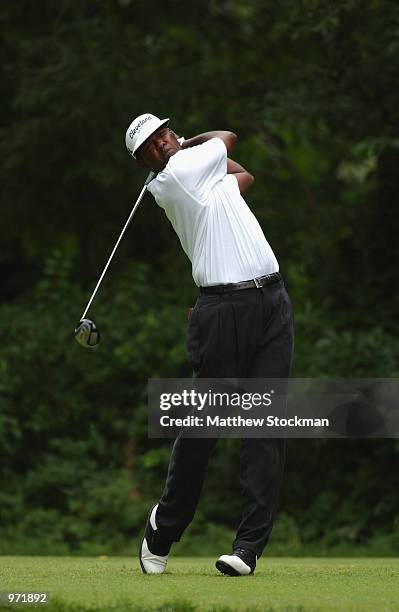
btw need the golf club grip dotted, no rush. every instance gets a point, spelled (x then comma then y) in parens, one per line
(150, 177)
(144, 189)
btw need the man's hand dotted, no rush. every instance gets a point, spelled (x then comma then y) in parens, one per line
(244, 178)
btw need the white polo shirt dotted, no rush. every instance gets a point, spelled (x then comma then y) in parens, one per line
(217, 230)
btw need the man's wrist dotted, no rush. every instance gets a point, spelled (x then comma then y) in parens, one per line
(199, 139)
(192, 142)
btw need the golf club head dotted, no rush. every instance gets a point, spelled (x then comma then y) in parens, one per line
(87, 334)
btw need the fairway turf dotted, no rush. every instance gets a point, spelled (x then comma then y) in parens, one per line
(116, 584)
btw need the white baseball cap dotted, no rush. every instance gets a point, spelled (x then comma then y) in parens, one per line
(140, 129)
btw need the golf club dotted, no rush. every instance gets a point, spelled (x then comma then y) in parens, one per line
(86, 332)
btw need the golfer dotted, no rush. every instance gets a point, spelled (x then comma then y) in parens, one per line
(241, 327)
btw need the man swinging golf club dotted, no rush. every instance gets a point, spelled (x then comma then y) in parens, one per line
(245, 319)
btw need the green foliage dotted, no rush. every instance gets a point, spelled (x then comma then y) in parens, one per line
(73, 423)
(310, 87)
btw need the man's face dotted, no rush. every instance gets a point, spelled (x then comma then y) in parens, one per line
(155, 152)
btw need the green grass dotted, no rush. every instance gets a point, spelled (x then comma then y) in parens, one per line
(115, 584)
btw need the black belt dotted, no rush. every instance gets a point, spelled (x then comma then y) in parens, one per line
(255, 283)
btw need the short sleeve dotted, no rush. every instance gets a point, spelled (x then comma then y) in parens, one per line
(199, 168)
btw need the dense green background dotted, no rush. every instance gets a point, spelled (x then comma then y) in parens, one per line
(311, 88)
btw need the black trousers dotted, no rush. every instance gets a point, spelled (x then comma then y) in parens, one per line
(244, 334)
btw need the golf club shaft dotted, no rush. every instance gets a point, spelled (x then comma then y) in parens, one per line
(144, 189)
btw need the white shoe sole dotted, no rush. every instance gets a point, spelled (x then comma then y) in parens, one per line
(231, 565)
(150, 563)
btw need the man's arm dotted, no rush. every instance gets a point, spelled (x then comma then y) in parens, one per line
(229, 139)
(244, 178)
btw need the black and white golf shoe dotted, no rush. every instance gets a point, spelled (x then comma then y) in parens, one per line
(153, 550)
(241, 563)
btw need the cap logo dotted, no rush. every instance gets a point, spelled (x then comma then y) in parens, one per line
(139, 125)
